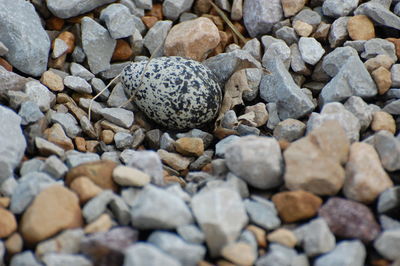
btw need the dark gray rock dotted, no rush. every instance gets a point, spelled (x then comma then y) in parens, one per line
(338, 32)
(389, 200)
(29, 112)
(262, 213)
(388, 244)
(155, 37)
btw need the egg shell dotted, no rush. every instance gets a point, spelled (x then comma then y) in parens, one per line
(175, 92)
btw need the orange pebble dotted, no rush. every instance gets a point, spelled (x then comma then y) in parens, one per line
(149, 21)
(122, 51)
(4, 63)
(69, 39)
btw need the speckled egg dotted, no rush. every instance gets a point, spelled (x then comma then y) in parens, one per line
(177, 93)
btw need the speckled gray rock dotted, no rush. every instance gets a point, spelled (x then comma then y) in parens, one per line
(289, 129)
(66, 259)
(346, 253)
(13, 142)
(388, 148)
(262, 213)
(260, 15)
(221, 215)
(24, 259)
(80, 71)
(352, 79)
(308, 16)
(311, 50)
(97, 45)
(297, 63)
(72, 8)
(334, 8)
(377, 46)
(143, 254)
(156, 36)
(186, 253)
(176, 93)
(191, 233)
(287, 34)
(24, 36)
(118, 20)
(388, 244)
(279, 255)
(389, 200)
(361, 110)
(54, 167)
(118, 116)
(68, 122)
(41, 95)
(172, 9)
(257, 160)
(155, 208)
(77, 84)
(338, 32)
(275, 49)
(29, 112)
(379, 14)
(279, 87)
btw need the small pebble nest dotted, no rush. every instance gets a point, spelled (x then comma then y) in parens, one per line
(175, 92)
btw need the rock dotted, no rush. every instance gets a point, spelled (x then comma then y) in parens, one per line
(24, 258)
(100, 172)
(382, 78)
(347, 253)
(262, 213)
(26, 42)
(281, 255)
(176, 247)
(96, 206)
(75, 158)
(260, 15)
(365, 177)
(46, 148)
(338, 32)
(392, 107)
(360, 28)
(335, 60)
(66, 259)
(68, 122)
(59, 48)
(248, 159)
(395, 75)
(287, 34)
(302, 29)
(349, 219)
(101, 224)
(118, 116)
(193, 39)
(381, 60)
(54, 209)
(220, 227)
(191, 233)
(313, 163)
(56, 135)
(8, 223)
(118, 19)
(361, 110)
(128, 176)
(54, 167)
(77, 84)
(275, 49)
(336, 9)
(237, 10)
(239, 253)
(311, 50)
(291, 7)
(64, 9)
(296, 205)
(11, 83)
(315, 236)
(66, 242)
(189, 146)
(39, 94)
(154, 208)
(123, 140)
(387, 244)
(377, 46)
(144, 254)
(52, 81)
(197, 133)
(97, 45)
(283, 236)
(388, 148)
(297, 63)
(80, 71)
(156, 36)
(389, 200)
(107, 248)
(174, 160)
(379, 14)
(13, 244)
(289, 129)
(173, 9)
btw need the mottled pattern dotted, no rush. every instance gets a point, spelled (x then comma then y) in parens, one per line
(177, 93)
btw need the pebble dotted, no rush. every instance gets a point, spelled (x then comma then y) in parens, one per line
(128, 176)
(287, 34)
(8, 223)
(19, 34)
(389, 200)
(262, 213)
(311, 50)
(283, 236)
(239, 253)
(143, 253)
(173, 9)
(54, 209)
(378, 46)
(275, 49)
(335, 9)
(257, 160)
(98, 85)
(75, 158)
(192, 39)
(96, 206)
(117, 18)
(53, 81)
(289, 129)
(350, 219)
(118, 98)
(29, 112)
(24, 258)
(54, 167)
(118, 116)
(46, 148)
(97, 45)
(174, 160)
(361, 110)
(191, 233)
(383, 79)
(349, 253)
(66, 259)
(77, 84)
(14, 244)
(59, 48)
(395, 75)
(360, 27)
(68, 122)
(237, 10)
(338, 32)
(220, 228)
(296, 205)
(65, 10)
(280, 255)
(123, 140)
(66, 242)
(156, 36)
(302, 29)
(56, 135)
(383, 121)
(39, 94)
(189, 146)
(388, 149)
(379, 14)
(101, 224)
(387, 244)
(291, 7)
(297, 63)
(186, 253)
(80, 71)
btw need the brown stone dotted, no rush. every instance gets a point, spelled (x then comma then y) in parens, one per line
(14, 244)
(149, 21)
(80, 144)
(56, 208)
(100, 172)
(174, 160)
(222, 44)
(53, 81)
(91, 145)
(57, 135)
(69, 39)
(322, 31)
(360, 27)
(240, 253)
(216, 20)
(381, 60)
(101, 224)
(122, 51)
(292, 7)
(202, 7)
(193, 39)
(383, 79)
(85, 188)
(156, 11)
(107, 136)
(8, 223)
(5, 202)
(4, 63)
(259, 234)
(396, 43)
(383, 121)
(190, 146)
(302, 29)
(284, 237)
(58, 63)
(54, 23)
(296, 205)
(75, 110)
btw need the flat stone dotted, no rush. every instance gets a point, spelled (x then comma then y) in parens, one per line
(97, 45)
(66, 242)
(52, 81)
(338, 32)
(63, 9)
(174, 160)
(197, 133)
(297, 63)
(118, 20)
(77, 84)
(347, 253)
(379, 14)
(128, 176)
(39, 94)
(75, 158)
(59, 48)
(11, 83)
(281, 255)
(377, 46)
(68, 122)
(47, 148)
(275, 49)
(143, 254)
(26, 42)
(54, 209)
(289, 129)
(24, 258)
(388, 148)
(80, 71)
(311, 50)
(349, 219)
(389, 200)
(54, 167)
(383, 79)
(387, 244)
(56, 135)
(96, 206)
(360, 27)
(156, 36)
(118, 116)
(262, 213)
(173, 9)
(189, 146)
(118, 98)
(392, 107)
(8, 223)
(365, 176)
(98, 85)
(283, 236)
(332, 8)
(191, 233)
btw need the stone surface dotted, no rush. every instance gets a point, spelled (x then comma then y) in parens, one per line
(24, 258)
(379, 14)
(283, 236)
(193, 39)
(173, 9)
(68, 123)
(289, 129)
(333, 8)
(191, 233)
(146, 254)
(338, 32)
(349, 219)
(388, 149)
(52, 81)
(291, 7)
(39, 94)
(24, 37)
(361, 110)
(54, 209)
(346, 253)
(378, 46)
(360, 27)
(73, 8)
(381, 60)
(221, 216)
(311, 50)
(262, 213)
(77, 84)
(281, 255)
(239, 253)
(189, 146)
(128, 176)
(118, 116)
(383, 79)
(389, 200)
(8, 223)
(387, 244)
(174, 160)
(156, 36)
(257, 160)
(118, 20)
(66, 242)
(334, 61)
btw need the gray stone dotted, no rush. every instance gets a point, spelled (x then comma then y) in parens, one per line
(253, 46)
(177, 190)
(78, 55)
(287, 34)
(87, 127)
(13, 142)
(114, 70)
(29, 112)
(118, 116)
(377, 46)
(75, 158)
(111, 155)
(221, 146)
(136, 41)
(346, 253)
(338, 32)
(120, 210)
(257, 160)
(279, 87)
(388, 148)
(97, 205)
(392, 107)
(191, 233)
(54, 167)
(172, 9)
(123, 140)
(98, 85)
(334, 8)
(289, 129)
(118, 98)
(39, 94)
(315, 237)
(138, 138)
(68, 122)
(361, 110)
(97, 45)
(254, 76)
(393, 93)
(28, 187)
(379, 14)
(389, 200)
(273, 119)
(167, 143)
(28, 43)
(133, 9)
(32, 165)
(352, 79)
(297, 63)
(279, 255)
(388, 223)
(11, 82)
(262, 213)
(388, 244)
(80, 71)
(77, 84)
(229, 120)
(8, 186)
(155, 208)
(186, 253)
(311, 50)
(185, 16)
(395, 71)
(3, 49)
(66, 260)
(155, 37)
(260, 15)
(66, 9)
(46, 147)
(275, 49)
(16, 98)
(59, 48)
(145, 4)
(356, 45)
(67, 242)
(143, 254)
(245, 130)
(118, 20)
(308, 16)
(221, 215)
(153, 138)
(2, 252)
(25, 258)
